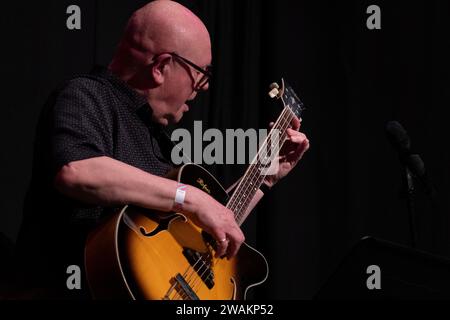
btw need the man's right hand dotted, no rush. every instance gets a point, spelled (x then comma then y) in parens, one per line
(217, 220)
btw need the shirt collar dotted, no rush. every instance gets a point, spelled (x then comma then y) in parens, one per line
(136, 100)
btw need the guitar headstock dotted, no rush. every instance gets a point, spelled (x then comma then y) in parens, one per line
(288, 97)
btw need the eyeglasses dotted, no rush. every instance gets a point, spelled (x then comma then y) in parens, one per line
(207, 73)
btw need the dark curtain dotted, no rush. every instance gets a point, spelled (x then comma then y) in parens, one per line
(351, 79)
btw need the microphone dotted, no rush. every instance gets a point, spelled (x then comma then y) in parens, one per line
(399, 138)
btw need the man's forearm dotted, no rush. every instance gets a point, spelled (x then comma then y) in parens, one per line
(109, 182)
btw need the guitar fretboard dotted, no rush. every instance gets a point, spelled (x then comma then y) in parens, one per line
(254, 176)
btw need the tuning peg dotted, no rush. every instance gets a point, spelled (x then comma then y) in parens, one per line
(274, 85)
(274, 90)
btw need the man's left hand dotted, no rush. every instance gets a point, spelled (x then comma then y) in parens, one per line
(290, 154)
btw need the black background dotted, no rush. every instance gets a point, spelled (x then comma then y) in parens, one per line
(352, 80)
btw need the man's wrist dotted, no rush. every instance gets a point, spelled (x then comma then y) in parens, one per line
(180, 195)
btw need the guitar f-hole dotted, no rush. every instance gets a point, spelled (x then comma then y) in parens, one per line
(162, 225)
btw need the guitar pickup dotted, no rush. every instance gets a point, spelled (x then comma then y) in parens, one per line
(201, 266)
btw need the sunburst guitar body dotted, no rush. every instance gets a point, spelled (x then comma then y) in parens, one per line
(140, 254)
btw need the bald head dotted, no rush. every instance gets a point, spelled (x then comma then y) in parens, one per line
(161, 26)
(145, 61)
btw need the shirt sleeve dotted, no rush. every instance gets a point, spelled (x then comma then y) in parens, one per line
(82, 123)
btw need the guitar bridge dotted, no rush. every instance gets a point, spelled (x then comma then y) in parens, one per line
(183, 288)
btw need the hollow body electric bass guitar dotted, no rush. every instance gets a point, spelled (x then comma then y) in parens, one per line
(140, 254)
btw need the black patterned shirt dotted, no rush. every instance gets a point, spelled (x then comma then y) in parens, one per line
(88, 116)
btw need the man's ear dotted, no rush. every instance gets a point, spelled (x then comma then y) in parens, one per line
(160, 67)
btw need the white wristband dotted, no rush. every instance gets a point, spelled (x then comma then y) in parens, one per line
(180, 194)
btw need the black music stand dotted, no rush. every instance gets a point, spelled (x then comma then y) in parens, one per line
(406, 273)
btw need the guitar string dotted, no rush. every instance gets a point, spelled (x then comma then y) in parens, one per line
(254, 170)
(191, 279)
(252, 173)
(206, 266)
(182, 296)
(256, 173)
(193, 272)
(285, 123)
(176, 293)
(233, 202)
(167, 295)
(198, 280)
(251, 169)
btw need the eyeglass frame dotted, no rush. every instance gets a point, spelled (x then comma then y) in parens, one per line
(207, 74)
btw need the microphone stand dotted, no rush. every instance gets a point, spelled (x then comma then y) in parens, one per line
(410, 190)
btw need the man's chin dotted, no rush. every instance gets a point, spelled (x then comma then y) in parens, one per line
(177, 118)
(174, 119)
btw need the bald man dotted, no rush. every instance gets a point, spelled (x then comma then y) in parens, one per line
(100, 145)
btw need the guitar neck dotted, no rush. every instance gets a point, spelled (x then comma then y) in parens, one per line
(260, 166)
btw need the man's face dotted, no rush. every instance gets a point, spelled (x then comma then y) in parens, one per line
(185, 82)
